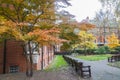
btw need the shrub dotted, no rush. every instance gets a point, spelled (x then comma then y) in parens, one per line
(81, 51)
(78, 51)
(115, 50)
(90, 51)
(102, 50)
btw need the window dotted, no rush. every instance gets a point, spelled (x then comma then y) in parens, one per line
(14, 69)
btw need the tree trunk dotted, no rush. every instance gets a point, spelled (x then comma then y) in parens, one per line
(42, 59)
(4, 57)
(85, 50)
(29, 71)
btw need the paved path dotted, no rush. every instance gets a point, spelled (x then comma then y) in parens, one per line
(101, 71)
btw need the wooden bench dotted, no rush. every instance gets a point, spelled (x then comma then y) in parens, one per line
(114, 58)
(83, 71)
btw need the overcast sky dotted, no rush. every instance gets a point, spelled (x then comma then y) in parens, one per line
(83, 8)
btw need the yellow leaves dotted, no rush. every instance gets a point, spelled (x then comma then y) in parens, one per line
(84, 35)
(2, 20)
(46, 24)
(10, 32)
(30, 17)
(113, 41)
(18, 1)
(86, 40)
(17, 34)
(2, 30)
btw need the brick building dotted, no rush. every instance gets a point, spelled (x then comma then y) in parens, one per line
(102, 33)
(14, 59)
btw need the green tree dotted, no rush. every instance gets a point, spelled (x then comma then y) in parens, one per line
(65, 22)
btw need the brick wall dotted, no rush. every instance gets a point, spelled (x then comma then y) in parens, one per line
(47, 57)
(15, 56)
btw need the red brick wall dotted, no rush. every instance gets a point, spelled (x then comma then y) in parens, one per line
(15, 56)
(47, 57)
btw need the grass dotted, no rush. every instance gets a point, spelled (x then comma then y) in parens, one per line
(115, 64)
(94, 57)
(57, 63)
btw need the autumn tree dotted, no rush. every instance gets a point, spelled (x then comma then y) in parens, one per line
(86, 41)
(113, 41)
(70, 31)
(29, 21)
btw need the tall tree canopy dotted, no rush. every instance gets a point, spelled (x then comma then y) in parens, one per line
(30, 21)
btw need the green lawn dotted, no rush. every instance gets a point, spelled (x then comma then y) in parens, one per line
(57, 63)
(94, 57)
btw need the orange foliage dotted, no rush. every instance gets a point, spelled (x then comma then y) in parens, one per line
(46, 35)
(37, 34)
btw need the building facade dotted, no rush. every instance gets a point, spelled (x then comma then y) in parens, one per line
(102, 33)
(14, 60)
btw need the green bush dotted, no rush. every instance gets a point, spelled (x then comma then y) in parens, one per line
(102, 50)
(78, 51)
(115, 50)
(81, 51)
(90, 51)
